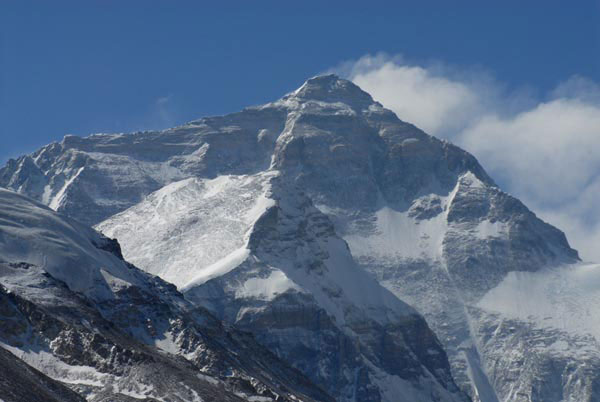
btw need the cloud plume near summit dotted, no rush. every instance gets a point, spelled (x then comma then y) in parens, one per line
(545, 148)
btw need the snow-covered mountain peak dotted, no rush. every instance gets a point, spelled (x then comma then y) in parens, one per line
(331, 88)
(196, 205)
(328, 94)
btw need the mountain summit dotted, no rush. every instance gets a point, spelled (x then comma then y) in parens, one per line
(311, 222)
(332, 89)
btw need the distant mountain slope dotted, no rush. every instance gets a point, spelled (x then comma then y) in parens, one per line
(73, 309)
(269, 216)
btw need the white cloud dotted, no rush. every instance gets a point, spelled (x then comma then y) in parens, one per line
(545, 151)
(549, 152)
(418, 96)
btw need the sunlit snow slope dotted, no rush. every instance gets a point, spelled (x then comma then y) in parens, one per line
(192, 230)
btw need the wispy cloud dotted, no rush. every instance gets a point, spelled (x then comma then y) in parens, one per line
(164, 110)
(160, 113)
(543, 149)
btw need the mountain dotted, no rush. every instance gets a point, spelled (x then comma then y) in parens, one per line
(296, 286)
(74, 310)
(313, 220)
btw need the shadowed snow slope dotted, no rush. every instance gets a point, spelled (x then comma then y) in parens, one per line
(563, 298)
(272, 217)
(551, 316)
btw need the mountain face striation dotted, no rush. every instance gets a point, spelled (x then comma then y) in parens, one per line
(315, 222)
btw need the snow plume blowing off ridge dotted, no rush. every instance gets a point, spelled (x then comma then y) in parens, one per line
(542, 149)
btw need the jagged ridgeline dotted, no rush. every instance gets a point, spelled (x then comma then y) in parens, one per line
(315, 222)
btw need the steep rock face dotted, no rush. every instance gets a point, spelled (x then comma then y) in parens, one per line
(419, 214)
(73, 309)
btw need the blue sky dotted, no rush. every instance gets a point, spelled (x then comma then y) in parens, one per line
(515, 82)
(115, 66)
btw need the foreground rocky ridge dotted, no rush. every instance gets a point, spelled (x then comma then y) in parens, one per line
(73, 309)
(222, 205)
(21, 382)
